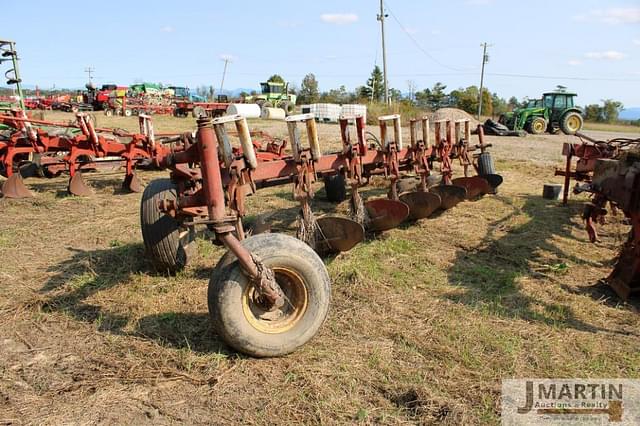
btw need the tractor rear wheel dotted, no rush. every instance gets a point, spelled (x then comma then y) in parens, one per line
(266, 104)
(168, 244)
(571, 123)
(241, 318)
(537, 126)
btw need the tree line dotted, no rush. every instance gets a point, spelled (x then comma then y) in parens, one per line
(436, 97)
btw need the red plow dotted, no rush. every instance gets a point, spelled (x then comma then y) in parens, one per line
(269, 294)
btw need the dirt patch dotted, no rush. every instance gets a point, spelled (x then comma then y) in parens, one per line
(453, 114)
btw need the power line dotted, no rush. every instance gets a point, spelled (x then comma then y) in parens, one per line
(423, 50)
(548, 77)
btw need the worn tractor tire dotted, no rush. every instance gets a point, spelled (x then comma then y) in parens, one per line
(266, 104)
(238, 317)
(571, 123)
(336, 188)
(485, 164)
(198, 112)
(537, 126)
(161, 233)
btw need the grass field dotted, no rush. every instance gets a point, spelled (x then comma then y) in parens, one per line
(605, 127)
(426, 319)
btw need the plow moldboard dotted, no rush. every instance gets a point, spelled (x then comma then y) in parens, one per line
(475, 186)
(450, 195)
(385, 214)
(14, 187)
(340, 233)
(494, 180)
(421, 204)
(77, 186)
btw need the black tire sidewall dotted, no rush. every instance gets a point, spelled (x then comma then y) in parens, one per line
(228, 284)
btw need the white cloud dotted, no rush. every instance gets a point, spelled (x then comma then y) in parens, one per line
(636, 42)
(608, 55)
(167, 29)
(436, 32)
(613, 15)
(478, 2)
(339, 18)
(412, 30)
(574, 62)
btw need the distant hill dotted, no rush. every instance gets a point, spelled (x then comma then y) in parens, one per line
(630, 114)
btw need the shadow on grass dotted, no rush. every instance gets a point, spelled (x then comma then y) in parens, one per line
(88, 272)
(489, 274)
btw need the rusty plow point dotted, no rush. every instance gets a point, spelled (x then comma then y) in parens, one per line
(450, 195)
(385, 214)
(421, 204)
(339, 233)
(476, 186)
(133, 183)
(14, 187)
(77, 186)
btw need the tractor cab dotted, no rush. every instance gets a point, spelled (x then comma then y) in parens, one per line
(558, 104)
(534, 103)
(272, 88)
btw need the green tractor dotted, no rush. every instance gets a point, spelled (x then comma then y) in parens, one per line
(554, 112)
(274, 94)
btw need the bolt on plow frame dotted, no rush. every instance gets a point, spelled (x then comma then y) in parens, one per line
(270, 293)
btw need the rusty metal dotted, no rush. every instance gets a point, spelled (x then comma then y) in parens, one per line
(339, 234)
(385, 214)
(14, 187)
(476, 186)
(615, 181)
(78, 187)
(450, 195)
(421, 204)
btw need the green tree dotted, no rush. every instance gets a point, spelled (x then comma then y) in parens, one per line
(593, 112)
(432, 98)
(513, 103)
(498, 104)
(611, 110)
(309, 89)
(276, 78)
(374, 89)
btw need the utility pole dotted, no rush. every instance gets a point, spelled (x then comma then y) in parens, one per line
(485, 59)
(381, 17)
(90, 70)
(224, 72)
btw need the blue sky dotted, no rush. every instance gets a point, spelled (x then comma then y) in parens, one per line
(595, 42)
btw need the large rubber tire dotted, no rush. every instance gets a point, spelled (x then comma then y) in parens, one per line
(198, 112)
(233, 309)
(336, 188)
(537, 126)
(571, 123)
(288, 107)
(266, 104)
(161, 232)
(485, 164)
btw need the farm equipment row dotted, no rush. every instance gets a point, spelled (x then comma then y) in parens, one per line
(30, 150)
(610, 172)
(270, 293)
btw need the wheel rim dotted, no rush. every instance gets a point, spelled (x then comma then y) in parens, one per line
(573, 123)
(281, 319)
(538, 126)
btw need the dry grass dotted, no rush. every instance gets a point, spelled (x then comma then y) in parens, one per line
(605, 127)
(426, 319)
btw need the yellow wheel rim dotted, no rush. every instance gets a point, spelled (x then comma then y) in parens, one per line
(538, 126)
(281, 319)
(573, 123)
